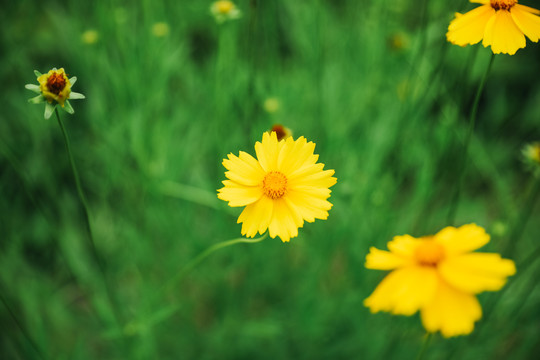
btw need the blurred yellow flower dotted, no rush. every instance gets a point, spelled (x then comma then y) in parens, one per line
(271, 105)
(281, 131)
(90, 37)
(531, 152)
(224, 10)
(439, 276)
(280, 189)
(160, 29)
(54, 88)
(531, 156)
(502, 24)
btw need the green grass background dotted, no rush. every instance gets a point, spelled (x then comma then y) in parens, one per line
(160, 115)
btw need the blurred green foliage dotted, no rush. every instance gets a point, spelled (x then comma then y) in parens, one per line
(373, 83)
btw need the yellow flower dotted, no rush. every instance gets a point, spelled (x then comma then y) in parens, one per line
(531, 152)
(90, 37)
(160, 29)
(439, 276)
(224, 10)
(531, 156)
(502, 24)
(54, 88)
(280, 189)
(271, 105)
(281, 131)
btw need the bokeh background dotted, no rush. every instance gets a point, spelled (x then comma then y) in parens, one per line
(169, 93)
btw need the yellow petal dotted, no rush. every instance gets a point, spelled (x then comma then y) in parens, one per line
(308, 208)
(503, 34)
(461, 240)
(469, 28)
(296, 155)
(268, 151)
(404, 291)
(528, 23)
(313, 175)
(451, 312)
(404, 245)
(528, 9)
(256, 217)
(476, 272)
(244, 169)
(384, 260)
(282, 223)
(239, 195)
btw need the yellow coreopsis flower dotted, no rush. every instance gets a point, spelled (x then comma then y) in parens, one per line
(224, 10)
(439, 276)
(54, 88)
(501, 24)
(280, 189)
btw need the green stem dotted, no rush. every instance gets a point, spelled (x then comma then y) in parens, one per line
(77, 181)
(82, 198)
(425, 344)
(22, 328)
(464, 160)
(199, 258)
(523, 218)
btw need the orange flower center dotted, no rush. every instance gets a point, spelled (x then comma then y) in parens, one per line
(274, 185)
(503, 4)
(429, 253)
(56, 83)
(224, 7)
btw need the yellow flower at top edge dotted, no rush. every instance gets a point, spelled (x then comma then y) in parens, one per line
(501, 24)
(55, 86)
(281, 189)
(439, 276)
(224, 10)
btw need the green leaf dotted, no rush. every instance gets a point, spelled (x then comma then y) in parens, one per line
(37, 100)
(49, 108)
(68, 107)
(75, 95)
(73, 80)
(38, 74)
(33, 87)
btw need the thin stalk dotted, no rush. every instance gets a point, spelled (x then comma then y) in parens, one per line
(464, 158)
(425, 344)
(523, 218)
(82, 198)
(199, 258)
(25, 333)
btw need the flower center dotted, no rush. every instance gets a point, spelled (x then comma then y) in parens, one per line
(56, 83)
(429, 253)
(224, 7)
(274, 185)
(503, 4)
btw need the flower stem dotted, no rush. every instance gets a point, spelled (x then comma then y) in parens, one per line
(199, 258)
(80, 192)
(82, 198)
(22, 328)
(525, 214)
(425, 344)
(464, 159)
